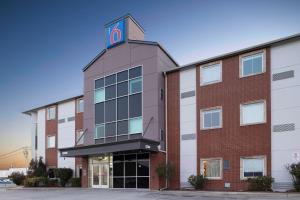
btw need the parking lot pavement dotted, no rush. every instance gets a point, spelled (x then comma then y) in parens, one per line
(113, 194)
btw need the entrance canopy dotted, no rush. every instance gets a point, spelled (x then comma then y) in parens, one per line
(121, 146)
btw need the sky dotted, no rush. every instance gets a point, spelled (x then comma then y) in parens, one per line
(45, 44)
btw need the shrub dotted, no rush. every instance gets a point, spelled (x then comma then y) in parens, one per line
(37, 168)
(294, 170)
(17, 178)
(36, 182)
(198, 181)
(64, 175)
(53, 183)
(166, 171)
(75, 182)
(262, 183)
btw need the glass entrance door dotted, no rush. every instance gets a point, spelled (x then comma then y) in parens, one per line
(100, 175)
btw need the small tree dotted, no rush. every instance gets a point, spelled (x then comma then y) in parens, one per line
(294, 170)
(64, 175)
(198, 181)
(166, 170)
(37, 168)
(17, 178)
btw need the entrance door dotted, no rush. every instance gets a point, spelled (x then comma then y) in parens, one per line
(100, 175)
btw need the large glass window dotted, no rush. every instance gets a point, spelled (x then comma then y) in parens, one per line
(211, 168)
(253, 167)
(252, 64)
(211, 74)
(253, 113)
(118, 104)
(211, 118)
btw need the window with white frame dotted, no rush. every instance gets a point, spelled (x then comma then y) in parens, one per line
(79, 137)
(51, 142)
(253, 167)
(210, 74)
(79, 106)
(211, 118)
(253, 113)
(211, 168)
(252, 64)
(51, 113)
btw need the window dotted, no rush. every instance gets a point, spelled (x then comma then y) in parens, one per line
(252, 64)
(135, 85)
(79, 137)
(51, 142)
(211, 168)
(211, 74)
(99, 95)
(51, 113)
(99, 132)
(211, 118)
(80, 105)
(253, 167)
(135, 125)
(253, 113)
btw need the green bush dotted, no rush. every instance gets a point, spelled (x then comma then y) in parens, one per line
(17, 178)
(36, 182)
(262, 183)
(75, 182)
(53, 183)
(64, 175)
(294, 170)
(37, 168)
(197, 182)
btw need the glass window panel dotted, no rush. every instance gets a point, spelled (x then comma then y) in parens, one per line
(247, 67)
(110, 110)
(51, 142)
(143, 182)
(135, 125)
(118, 169)
(211, 74)
(99, 95)
(118, 157)
(99, 113)
(122, 76)
(122, 89)
(110, 92)
(130, 182)
(207, 120)
(110, 129)
(257, 64)
(80, 105)
(253, 167)
(135, 72)
(99, 132)
(122, 108)
(143, 156)
(51, 113)
(211, 168)
(109, 80)
(253, 113)
(122, 127)
(212, 118)
(118, 182)
(130, 157)
(143, 168)
(215, 119)
(130, 168)
(135, 85)
(99, 83)
(135, 105)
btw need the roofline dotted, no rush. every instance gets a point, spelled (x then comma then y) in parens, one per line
(222, 56)
(28, 112)
(134, 42)
(128, 15)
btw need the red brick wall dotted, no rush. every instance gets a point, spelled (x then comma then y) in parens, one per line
(51, 129)
(173, 134)
(234, 141)
(85, 171)
(156, 182)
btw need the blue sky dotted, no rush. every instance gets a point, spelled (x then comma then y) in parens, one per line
(45, 44)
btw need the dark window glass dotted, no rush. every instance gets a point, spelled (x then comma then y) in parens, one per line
(122, 127)
(110, 92)
(130, 168)
(118, 169)
(122, 76)
(142, 182)
(118, 182)
(110, 129)
(135, 105)
(130, 157)
(119, 158)
(99, 113)
(122, 108)
(143, 168)
(130, 182)
(135, 72)
(99, 83)
(122, 89)
(110, 79)
(143, 156)
(110, 110)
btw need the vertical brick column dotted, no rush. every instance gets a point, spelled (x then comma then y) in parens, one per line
(156, 182)
(85, 171)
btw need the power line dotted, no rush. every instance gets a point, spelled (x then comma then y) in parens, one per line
(15, 151)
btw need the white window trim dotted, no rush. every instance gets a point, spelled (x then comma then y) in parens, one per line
(263, 52)
(208, 66)
(47, 112)
(48, 142)
(221, 168)
(252, 157)
(253, 102)
(202, 118)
